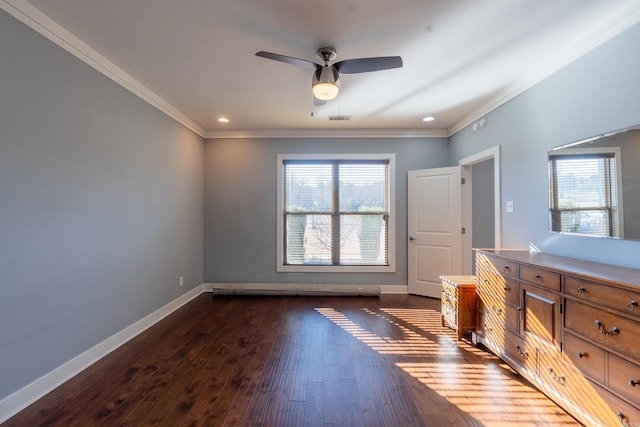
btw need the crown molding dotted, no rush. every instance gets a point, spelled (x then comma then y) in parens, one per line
(39, 22)
(608, 28)
(327, 133)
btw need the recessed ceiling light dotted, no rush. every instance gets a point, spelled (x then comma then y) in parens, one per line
(223, 120)
(428, 119)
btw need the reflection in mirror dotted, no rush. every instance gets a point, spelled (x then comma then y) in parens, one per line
(594, 186)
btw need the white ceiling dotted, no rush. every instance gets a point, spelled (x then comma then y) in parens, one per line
(194, 59)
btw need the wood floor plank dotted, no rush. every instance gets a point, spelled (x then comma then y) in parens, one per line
(297, 361)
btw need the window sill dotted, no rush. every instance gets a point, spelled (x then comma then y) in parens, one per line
(336, 269)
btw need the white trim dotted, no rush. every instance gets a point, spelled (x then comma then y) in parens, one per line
(391, 250)
(394, 290)
(14, 403)
(41, 23)
(384, 289)
(327, 133)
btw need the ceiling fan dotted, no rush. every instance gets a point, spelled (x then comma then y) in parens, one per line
(325, 80)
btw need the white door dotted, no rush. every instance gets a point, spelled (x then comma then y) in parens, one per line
(435, 228)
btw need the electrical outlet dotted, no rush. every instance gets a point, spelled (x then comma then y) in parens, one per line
(181, 280)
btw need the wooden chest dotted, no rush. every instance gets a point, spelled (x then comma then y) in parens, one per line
(458, 310)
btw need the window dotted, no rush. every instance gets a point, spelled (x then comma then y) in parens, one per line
(584, 192)
(335, 213)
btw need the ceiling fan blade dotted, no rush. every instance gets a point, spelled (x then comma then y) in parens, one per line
(364, 65)
(289, 60)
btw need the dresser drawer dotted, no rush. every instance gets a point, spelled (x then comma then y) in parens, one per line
(623, 300)
(624, 378)
(520, 351)
(562, 377)
(492, 286)
(540, 276)
(585, 356)
(603, 328)
(497, 265)
(449, 314)
(618, 412)
(506, 315)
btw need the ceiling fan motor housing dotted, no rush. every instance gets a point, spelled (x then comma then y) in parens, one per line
(326, 74)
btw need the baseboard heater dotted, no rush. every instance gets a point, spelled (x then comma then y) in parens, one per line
(287, 289)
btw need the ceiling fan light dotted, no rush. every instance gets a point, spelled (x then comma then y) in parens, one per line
(326, 91)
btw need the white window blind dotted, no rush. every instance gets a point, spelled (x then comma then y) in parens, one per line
(584, 194)
(335, 212)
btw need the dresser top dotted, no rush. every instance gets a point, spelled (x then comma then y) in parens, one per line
(628, 277)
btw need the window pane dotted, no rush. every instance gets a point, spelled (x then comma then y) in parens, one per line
(363, 240)
(318, 240)
(363, 187)
(595, 222)
(296, 233)
(308, 187)
(581, 183)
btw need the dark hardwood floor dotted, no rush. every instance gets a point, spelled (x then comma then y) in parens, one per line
(297, 361)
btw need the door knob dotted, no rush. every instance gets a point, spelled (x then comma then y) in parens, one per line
(412, 238)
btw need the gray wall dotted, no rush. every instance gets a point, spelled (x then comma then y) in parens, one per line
(597, 93)
(483, 201)
(101, 207)
(240, 204)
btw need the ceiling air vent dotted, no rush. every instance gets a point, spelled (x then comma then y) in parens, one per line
(339, 118)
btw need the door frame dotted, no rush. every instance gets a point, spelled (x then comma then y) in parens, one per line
(467, 206)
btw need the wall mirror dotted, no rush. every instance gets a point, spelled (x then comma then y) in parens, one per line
(594, 186)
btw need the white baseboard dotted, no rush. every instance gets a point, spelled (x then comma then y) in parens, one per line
(308, 288)
(394, 289)
(14, 403)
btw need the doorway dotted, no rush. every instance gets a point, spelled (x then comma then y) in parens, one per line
(481, 204)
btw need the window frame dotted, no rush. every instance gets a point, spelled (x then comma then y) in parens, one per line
(616, 228)
(315, 268)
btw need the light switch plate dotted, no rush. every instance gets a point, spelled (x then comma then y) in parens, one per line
(510, 206)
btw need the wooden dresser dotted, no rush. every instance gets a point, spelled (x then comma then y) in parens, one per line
(458, 308)
(569, 326)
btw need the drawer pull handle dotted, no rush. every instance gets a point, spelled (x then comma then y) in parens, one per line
(581, 355)
(496, 310)
(506, 268)
(537, 277)
(633, 382)
(522, 353)
(633, 305)
(559, 378)
(614, 331)
(506, 288)
(623, 419)
(581, 290)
